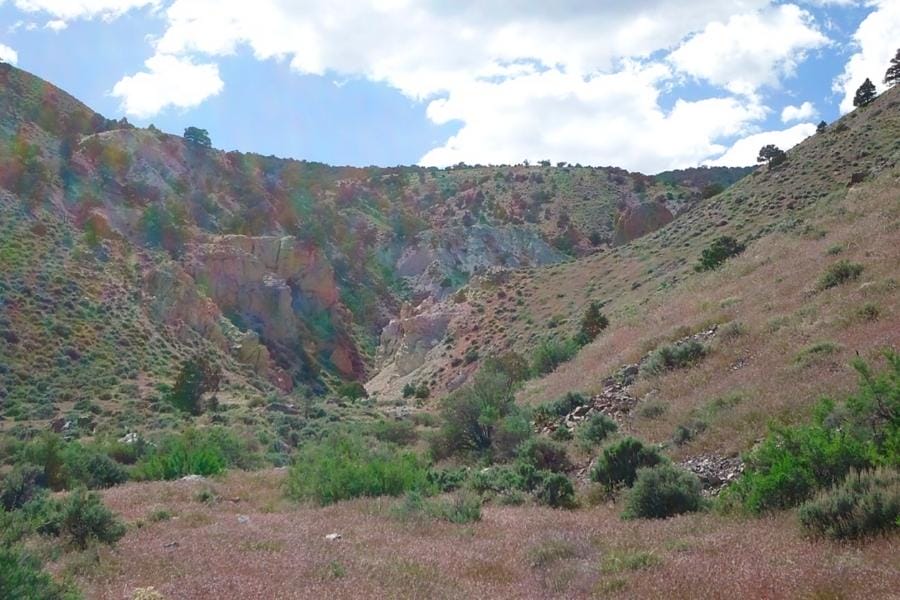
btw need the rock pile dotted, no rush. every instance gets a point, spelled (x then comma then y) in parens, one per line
(714, 471)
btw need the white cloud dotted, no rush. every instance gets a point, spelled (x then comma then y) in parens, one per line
(742, 54)
(610, 119)
(803, 112)
(876, 41)
(68, 10)
(56, 25)
(744, 152)
(8, 55)
(168, 81)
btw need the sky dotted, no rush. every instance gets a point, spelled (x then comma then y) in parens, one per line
(647, 85)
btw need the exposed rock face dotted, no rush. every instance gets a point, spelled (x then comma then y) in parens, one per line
(272, 284)
(439, 261)
(640, 220)
(408, 341)
(171, 296)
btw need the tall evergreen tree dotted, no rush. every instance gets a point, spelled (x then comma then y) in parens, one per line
(892, 77)
(865, 94)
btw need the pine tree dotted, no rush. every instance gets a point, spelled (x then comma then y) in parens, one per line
(592, 324)
(772, 155)
(892, 77)
(198, 136)
(865, 94)
(822, 127)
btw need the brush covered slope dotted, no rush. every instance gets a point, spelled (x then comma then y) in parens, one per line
(286, 272)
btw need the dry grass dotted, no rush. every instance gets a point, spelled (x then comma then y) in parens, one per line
(522, 552)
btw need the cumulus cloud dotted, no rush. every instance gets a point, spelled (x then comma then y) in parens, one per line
(8, 55)
(68, 10)
(876, 42)
(803, 112)
(168, 81)
(735, 54)
(744, 152)
(572, 80)
(56, 25)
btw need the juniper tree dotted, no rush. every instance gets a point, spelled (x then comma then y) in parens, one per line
(865, 94)
(892, 76)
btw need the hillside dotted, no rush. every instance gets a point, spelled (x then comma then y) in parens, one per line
(285, 272)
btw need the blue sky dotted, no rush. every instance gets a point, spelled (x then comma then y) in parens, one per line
(644, 84)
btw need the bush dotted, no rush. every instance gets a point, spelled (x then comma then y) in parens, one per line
(544, 455)
(556, 491)
(400, 432)
(86, 519)
(662, 491)
(674, 356)
(21, 486)
(446, 480)
(552, 353)
(864, 504)
(839, 273)
(596, 429)
(343, 467)
(552, 411)
(619, 462)
(91, 468)
(352, 390)
(21, 577)
(792, 463)
(196, 452)
(720, 250)
(481, 419)
(463, 508)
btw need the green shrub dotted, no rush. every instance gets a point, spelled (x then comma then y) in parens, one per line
(20, 486)
(543, 455)
(447, 480)
(90, 467)
(839, 273)
(556, 491)
(552, 353)
(464, 508)
(481, 419)
(552, 411)
(618, 464)
(864, 504)
(674, 356)
(46, 452)
(720, 250)
(662, 491)
(596, 429)
(196, 452)
(352, 390)
(86, 519)
(394, 431)
(21, 577)
(343, 467)
(793, 462)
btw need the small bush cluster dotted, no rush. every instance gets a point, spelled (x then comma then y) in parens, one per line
(720, 250)
(839, 273)
(342, 467)
(618, 464)
(673, 356)
(550, 412)
(196, 452)
(865, 503)
(550, 354)
(462, 508)
(662, 491)
(794, 464)
(596, 429)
